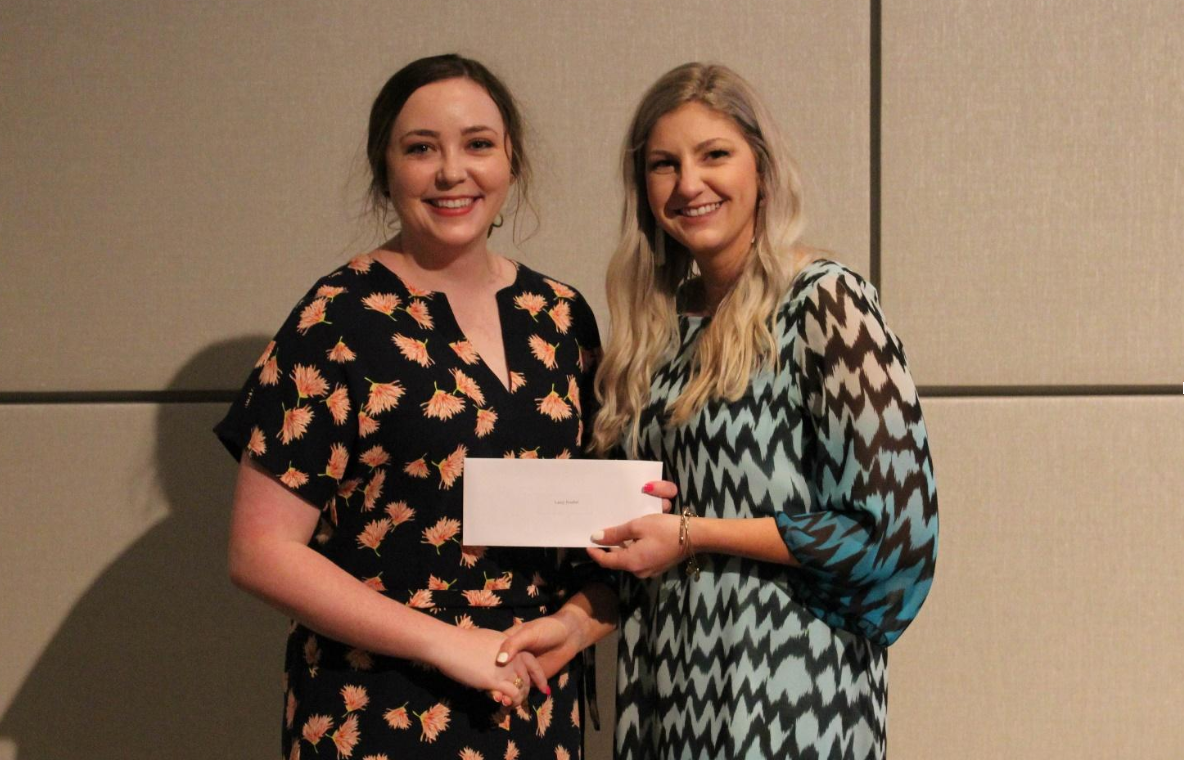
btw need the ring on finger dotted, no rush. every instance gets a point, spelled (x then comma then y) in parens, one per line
(518, 682)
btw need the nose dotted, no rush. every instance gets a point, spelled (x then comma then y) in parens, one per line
(690, 182)
(452, 169)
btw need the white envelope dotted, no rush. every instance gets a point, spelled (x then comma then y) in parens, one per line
(552, 502)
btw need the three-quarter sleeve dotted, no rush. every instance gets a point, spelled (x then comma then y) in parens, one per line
(296, 416)
(867, 542)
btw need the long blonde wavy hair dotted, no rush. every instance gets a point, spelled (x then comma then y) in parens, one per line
(643, 290)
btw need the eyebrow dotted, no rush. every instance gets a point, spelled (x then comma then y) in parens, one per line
(700, 146)
(432, 133)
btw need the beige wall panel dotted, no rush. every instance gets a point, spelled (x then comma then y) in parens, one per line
(1032, 189)
(122, 636)
(1054, 629)
(175, 173)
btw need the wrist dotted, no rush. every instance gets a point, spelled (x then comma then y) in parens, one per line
(576, 623)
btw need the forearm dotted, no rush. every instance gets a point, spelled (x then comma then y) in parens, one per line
(755, 538)
(316, 592)
(590, 614)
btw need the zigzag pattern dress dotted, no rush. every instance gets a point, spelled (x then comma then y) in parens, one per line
(757, 660)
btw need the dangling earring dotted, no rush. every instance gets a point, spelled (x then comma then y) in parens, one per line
(659, 247)
(496, 223)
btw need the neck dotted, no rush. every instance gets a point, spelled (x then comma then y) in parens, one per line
(438, 267)
(718, 273)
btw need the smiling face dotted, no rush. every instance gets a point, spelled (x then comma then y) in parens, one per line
(702, 183)
(448, 165)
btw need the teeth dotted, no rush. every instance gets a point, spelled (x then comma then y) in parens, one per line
(701, 210)
(452, 203)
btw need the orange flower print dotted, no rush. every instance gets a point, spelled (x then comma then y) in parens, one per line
(418, 468)
(359, 659)
(500, 583)
(295, 424)
(435, 584)
(397, 718)
(543, 716)
(468, 386)
(293, 478)
(338, 459)
(553, 406)
(465, 351)
(375, 583)
(373, 490)
(315, 728)
(418, 291)
(346, 488)
(330, 291)
(575, 714)
(361, 263)
(266, 355)
(521, 711)
(528, 454)
(469, 753)
(338, 403)
(345, 738)
(258, 443)
(485, 421)
(309, 382)
(587, 359)
(379, 756)
(313, 314)
(452, 467)
(419, 312)
(421, 600)
(482, 598)
(341, 353)
(565, 454)
(501, 718)
(561, 753)
(372, 535)
(532, 590)
(413, 350)
(399, 512)
(530, 302)
(383, 303)
(270, 374)
(561, 315)
(465, 622)
(433, 721)
(563, 679)
(561, 290)
(290, 709)
(295, 753)
(355, 698)
(543, 351)
(366, 425)
(375, 456)
(443, 405)
(383, 396)
(573, 393)
(511, 751)
(470, 554)
(312, 656)
(442, 532)
(517, 380)
(508, 455)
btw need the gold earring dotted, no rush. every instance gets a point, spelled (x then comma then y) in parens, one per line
(496, 223)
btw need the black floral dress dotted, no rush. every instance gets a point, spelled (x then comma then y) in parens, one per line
(366, 404)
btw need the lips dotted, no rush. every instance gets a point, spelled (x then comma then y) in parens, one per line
(457, 206)
(699, 211)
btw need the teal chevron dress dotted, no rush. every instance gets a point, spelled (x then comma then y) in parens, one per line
(757, 660)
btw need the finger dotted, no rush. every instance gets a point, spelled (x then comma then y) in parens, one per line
(667, 505)
(523, 639)
(607, 559)
(537, 675)
(524, 689)
(615, 535)
(663, 489)
(497, 696)
(509, 693)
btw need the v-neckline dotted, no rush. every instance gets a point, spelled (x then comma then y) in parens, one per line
(499, 296)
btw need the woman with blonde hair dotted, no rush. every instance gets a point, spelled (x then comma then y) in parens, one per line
(765, 379)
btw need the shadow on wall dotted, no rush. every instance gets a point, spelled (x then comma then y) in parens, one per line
(162, 656)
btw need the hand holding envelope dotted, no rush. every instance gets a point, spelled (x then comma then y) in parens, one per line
(552, 502)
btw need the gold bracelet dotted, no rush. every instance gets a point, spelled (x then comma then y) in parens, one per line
(684, 540)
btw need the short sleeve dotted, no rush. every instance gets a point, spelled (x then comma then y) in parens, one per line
(867, 544)
(295, 416)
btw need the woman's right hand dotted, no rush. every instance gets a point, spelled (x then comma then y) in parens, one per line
(469, 656)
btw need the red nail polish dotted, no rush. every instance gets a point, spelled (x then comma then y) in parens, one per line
(547, 691)
(648, 488)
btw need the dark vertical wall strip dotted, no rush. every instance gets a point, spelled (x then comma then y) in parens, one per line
(874, 128)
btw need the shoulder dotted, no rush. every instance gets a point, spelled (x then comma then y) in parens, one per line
(551, 287)
(823, 283)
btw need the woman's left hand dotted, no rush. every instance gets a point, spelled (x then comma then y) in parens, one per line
(646, 546)
(552, 639)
